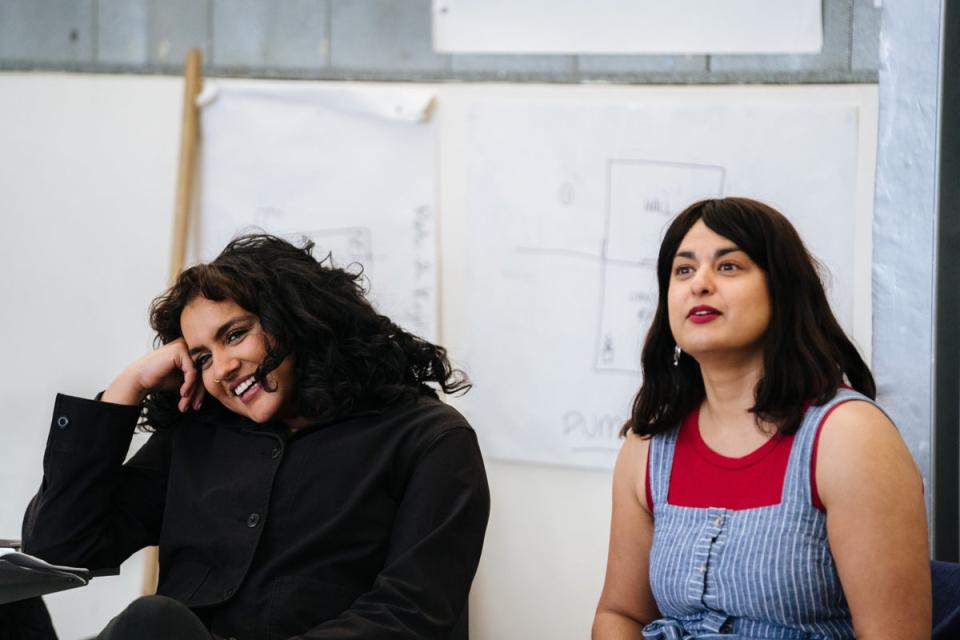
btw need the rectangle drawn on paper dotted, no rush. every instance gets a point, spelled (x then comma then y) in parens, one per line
(642, 198)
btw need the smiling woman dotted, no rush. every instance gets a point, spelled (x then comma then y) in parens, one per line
(228, 346)
(303, 478)
(760, 492)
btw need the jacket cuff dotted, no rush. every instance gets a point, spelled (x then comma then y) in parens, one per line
(83, 424)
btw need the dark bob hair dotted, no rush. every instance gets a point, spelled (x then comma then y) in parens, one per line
(347, 357)
(806, 355)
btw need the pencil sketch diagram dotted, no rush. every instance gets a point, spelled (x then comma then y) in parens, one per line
(557, 211)
(641, 197)
(349, 248)
(396, 253)
(352, 248)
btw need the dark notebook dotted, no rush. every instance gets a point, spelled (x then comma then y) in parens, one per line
(23, 576)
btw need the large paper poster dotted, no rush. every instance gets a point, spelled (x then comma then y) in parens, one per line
(627, 26)
(352, 169)
(554, 234)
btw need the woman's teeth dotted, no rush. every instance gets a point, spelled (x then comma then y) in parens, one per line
(243, 386)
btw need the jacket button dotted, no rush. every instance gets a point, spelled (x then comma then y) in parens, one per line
(228, 592)
(253, 520)
(63, 422)
(276, 452)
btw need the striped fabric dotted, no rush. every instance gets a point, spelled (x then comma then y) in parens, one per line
(764, 573)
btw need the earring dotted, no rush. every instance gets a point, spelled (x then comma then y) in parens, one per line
(676, 355)
(218, 379)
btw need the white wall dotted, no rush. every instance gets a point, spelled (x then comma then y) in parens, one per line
(87, 176)
(544, 555)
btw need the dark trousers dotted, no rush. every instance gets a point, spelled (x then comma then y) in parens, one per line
(26, 620)
(155, 618)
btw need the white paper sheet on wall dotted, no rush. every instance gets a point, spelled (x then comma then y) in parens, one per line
(563, 208)
(353, 169)
(627, 26)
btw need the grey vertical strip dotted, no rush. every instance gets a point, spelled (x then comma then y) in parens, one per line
(328, 8)
(946, 446)
(904, 219)
(95, 30)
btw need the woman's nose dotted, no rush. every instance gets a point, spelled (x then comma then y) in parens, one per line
(702, 281)
(224, 368)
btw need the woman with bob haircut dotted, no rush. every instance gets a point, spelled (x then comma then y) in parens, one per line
(302, 480)
(759, 492)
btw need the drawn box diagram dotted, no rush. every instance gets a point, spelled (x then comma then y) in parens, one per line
(642, 197)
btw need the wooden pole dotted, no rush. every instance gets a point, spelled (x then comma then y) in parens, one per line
(189, 138)
(186, 172)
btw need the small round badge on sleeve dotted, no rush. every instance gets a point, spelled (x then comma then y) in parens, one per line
(63, 422)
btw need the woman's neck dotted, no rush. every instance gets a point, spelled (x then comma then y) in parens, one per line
(297, 423)
(729, 394)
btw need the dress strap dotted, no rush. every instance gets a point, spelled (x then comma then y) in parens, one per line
(797, 485)
(659, 464)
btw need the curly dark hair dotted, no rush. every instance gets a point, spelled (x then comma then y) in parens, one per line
(347, 357)
(806, 354)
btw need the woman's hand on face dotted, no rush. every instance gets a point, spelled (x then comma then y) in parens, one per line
(166, 368)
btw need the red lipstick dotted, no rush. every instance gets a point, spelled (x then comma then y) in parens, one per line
(701, 314)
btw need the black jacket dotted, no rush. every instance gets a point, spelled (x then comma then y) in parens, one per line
(367, 527)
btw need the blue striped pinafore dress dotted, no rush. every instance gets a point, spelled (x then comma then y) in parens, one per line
(765, 572)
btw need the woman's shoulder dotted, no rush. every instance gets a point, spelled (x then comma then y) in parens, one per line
(427, 433)
(635, 447)
(852, 413)
(423, 418)
(854, 427)
(853, 418)
(858, 443)
(630, 470)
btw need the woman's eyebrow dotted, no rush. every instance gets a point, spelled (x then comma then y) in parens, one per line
(725, 250)
(222, 330)
(716, 254)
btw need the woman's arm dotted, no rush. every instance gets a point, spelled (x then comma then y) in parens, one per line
(627, 603)
(168, 367)
(876, 523)
(92, 510)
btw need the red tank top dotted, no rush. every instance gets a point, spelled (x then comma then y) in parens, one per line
(701, 477)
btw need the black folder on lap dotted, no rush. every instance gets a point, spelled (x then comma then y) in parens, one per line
(23, 576)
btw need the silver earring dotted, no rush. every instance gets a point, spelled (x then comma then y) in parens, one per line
(676, 355)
